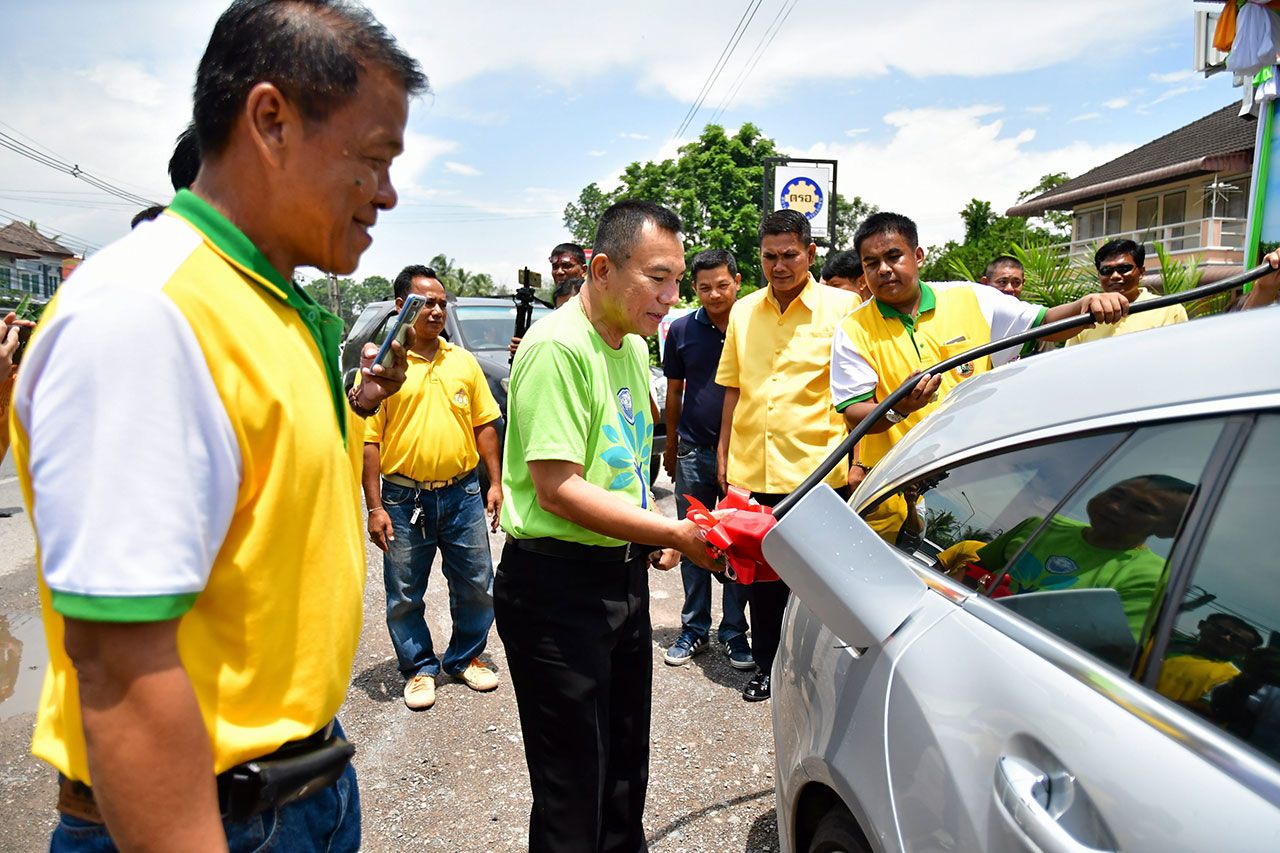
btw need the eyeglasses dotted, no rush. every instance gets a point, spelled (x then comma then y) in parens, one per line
(1111, 269)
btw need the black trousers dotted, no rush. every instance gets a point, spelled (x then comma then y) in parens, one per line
(578, 642)
(769, 601)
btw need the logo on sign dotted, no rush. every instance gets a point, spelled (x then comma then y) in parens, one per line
(624, 400)
(801, 195)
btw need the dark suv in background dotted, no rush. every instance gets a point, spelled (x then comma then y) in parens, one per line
(483, 326)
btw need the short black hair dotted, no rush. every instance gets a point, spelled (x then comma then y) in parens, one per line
(184, 165)
(1165, 483)
(1239, 623)
(568, 287)
(712, 259)
(887, 223)
(579, 254)
(405, 279)
(314, 51)
(620, 226)
(844, 264)
(1111, 248)
(787, 222)
(146, 215)
(1003, 261)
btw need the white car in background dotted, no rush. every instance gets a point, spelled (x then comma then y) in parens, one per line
(938, 690)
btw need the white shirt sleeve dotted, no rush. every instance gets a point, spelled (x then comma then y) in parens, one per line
(851, 375)
(1006, 316)
(134, 464)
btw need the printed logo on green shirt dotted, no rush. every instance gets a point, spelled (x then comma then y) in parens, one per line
(629, 450)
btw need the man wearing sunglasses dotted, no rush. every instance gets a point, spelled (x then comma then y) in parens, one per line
(1120, 270)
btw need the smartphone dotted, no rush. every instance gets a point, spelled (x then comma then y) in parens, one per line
(413, 304)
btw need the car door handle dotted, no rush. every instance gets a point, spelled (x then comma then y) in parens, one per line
(1024, 792)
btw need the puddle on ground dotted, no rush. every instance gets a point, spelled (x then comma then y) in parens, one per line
(23, 659)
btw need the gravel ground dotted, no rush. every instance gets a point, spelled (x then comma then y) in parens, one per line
(454, 777)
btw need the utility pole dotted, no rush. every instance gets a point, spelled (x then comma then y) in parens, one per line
(334, 295)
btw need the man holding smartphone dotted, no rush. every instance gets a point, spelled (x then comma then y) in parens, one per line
(191, 466)
(420, 455)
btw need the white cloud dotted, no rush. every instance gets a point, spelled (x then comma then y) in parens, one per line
(1087, 117)
(1173, 93)
(1116, 103)
(1038, 109)
(1173, 76)
(597, 152)
(856, 131)
(456, 168)
(127, 81)
(908, 172)
(631, 135)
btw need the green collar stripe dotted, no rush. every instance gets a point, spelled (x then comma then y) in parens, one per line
(121, 608)
(232, 244)
(928, 301)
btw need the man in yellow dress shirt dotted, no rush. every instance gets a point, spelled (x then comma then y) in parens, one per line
(1120, 270)
(420, 455)
(778, 421)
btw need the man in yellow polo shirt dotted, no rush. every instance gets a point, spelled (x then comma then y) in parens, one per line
(778, 422)
(1120, 270)
(420, 455)
(909, 326)
(191, 468)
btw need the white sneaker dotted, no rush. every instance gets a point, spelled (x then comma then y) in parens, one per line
(479, 677)
(420, 692)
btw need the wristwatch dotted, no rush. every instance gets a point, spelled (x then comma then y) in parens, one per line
(893, 417)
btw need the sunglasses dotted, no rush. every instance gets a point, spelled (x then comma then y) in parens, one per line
(1112, 269)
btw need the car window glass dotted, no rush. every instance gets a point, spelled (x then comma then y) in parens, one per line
(1094, 570)
(1223, 659)
(950, 513)
(490, 326)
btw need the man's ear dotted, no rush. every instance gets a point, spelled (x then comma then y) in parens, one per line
(737, 280)
(272, 120)
(986, 279)
(399, 302)
(600, 268)
(813, 252)
(919, 255)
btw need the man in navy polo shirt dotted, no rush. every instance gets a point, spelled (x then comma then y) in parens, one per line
(694, 407)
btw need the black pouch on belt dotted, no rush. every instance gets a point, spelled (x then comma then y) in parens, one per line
(289, 774)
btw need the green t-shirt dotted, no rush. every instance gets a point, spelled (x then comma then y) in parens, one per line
(1060, 558)
(573, 398)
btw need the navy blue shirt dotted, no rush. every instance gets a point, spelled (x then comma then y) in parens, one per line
(692, 354)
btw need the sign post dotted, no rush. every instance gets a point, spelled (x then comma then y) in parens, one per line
(806, 186)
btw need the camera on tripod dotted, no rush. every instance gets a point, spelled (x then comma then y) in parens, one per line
(525, 297)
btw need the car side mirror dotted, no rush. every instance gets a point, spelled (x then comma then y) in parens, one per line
(849, 577)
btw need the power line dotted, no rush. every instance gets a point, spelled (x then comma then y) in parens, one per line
(748, 15)
(19, 147)
(762, 48)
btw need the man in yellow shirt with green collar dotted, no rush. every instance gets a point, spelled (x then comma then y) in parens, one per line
(778, 423)
(191, 467)
(420, 455)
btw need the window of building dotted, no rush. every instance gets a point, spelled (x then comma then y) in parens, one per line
(1098, 222)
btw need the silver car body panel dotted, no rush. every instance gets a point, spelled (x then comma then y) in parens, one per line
(935, 738)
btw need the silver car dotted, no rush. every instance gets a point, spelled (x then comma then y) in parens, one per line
(1049, 619)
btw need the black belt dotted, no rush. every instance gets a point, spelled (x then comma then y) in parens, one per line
(548, 547)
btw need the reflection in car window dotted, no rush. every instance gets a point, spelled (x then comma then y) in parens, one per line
(490, 326)
(1223, 660)
(1093, 570)
(954, 512)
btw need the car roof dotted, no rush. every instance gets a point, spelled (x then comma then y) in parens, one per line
(1209, 365)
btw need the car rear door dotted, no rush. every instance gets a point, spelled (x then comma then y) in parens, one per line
(1020, 720)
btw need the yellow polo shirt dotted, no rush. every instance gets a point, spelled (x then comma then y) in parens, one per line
(1168, 316)
(877, 347)
(178, 433)
(780, 361)
(427, 430)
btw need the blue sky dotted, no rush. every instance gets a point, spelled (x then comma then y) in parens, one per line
(925, 104)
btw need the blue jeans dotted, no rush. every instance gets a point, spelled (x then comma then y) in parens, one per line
(696, 476)
(451, 519)
(328, 820)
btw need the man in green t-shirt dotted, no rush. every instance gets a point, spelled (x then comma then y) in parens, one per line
(571, 596)
(1109, 551)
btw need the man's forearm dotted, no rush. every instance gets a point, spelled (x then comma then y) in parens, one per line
(149, 754)
(487, 445)
(731, 396)
(371, 476)
(675, 406)
(856, 412)
(566, 494)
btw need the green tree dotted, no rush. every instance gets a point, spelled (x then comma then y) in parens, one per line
(353, 297)
(714, 185)
(986, 236)
(849, 215)
(1056, 222)
(459, 281)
